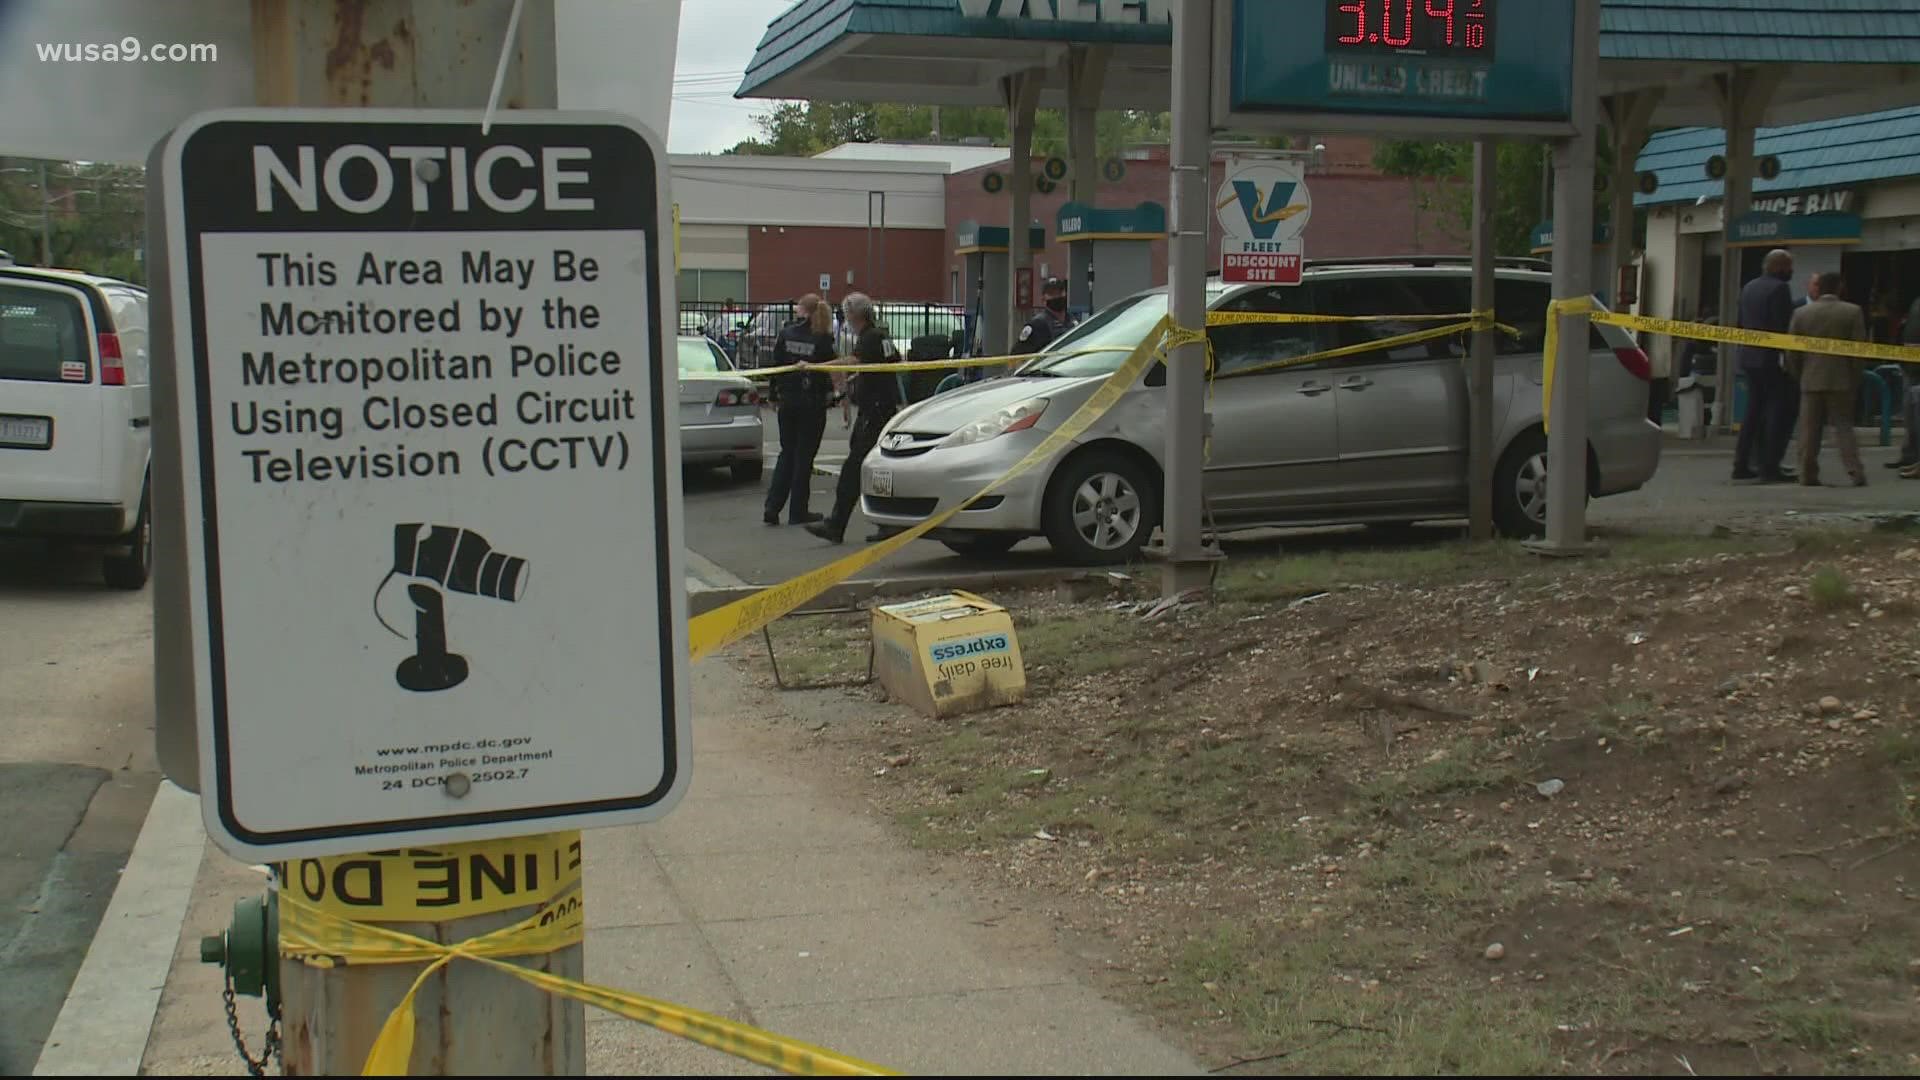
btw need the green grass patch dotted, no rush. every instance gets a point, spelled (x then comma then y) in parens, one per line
(1466, 766)
(1822, 1026)
(818, 649)
(1309, 995)
(1342, 561)
(1830, 590)
(1087, 643)
(1157, 804)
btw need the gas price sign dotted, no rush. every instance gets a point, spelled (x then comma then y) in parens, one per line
(1455, 67)
(1427, 27)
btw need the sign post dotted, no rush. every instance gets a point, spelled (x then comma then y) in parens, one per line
(416, 470)
(1466, 69)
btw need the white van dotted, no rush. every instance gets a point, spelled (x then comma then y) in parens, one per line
(76, 431)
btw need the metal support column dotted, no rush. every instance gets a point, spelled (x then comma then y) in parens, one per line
(1572, 279)
(471, 1020)
(1480, 372)
(1086, 80)
(1022, 93)
(1628, 115)
(1187, 561)
(1744, 94)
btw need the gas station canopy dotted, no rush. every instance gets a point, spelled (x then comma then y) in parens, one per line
(1836, 57)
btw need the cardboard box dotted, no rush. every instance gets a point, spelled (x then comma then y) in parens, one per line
(948, 654)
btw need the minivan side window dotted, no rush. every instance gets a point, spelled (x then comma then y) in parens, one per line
(1522, 304)
(1240, 347)
(1381, 295)
(43, 336)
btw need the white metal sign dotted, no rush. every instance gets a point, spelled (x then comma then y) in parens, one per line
(1263, 208)
(419, 384)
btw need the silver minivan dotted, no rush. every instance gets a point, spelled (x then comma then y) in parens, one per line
(76, 432)
(1376, 437)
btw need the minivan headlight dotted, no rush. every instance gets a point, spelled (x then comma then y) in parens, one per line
(1016, 417)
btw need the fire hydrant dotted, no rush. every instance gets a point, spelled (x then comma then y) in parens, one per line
(250, 949)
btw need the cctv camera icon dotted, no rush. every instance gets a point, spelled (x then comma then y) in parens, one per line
(437, 558)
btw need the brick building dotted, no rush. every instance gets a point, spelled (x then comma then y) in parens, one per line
(882, 219)
(1356, 210)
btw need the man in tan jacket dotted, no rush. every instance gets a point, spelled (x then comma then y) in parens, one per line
(1828, 384)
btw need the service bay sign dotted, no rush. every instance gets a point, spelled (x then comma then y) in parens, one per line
(421, 434)
(1262, 209)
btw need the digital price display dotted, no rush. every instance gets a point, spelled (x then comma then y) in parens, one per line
(1462, 29)
(1397, 66)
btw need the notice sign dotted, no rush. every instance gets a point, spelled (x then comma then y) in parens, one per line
(1262, 208)
(416, 425)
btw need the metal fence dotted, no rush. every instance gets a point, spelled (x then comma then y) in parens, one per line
(747, 330)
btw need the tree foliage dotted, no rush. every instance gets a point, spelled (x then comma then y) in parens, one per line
(802, 129)
(1443, 172)
(95, 216)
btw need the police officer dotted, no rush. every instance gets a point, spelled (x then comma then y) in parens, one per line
(803, 397)
(1047, 323)
(877, 396)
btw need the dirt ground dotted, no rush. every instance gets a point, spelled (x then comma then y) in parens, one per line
(1454, 809)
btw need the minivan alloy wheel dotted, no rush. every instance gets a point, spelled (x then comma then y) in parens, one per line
(1106, 511)
(1530, 487)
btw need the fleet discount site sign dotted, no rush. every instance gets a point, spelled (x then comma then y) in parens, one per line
(1263, 209)
(413, 426)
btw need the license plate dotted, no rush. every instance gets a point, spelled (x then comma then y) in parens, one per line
(880, 482)
(31, 432)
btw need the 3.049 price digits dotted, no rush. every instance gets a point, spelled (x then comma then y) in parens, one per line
(1460, 26)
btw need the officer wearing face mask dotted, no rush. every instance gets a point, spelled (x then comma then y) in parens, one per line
(1049, 322)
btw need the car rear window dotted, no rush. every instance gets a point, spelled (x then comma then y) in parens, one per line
(698, 357)
(43, 337)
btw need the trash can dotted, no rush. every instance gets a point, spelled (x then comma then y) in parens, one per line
(1690, 403)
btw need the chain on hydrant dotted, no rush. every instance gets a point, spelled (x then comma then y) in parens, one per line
(249, 950)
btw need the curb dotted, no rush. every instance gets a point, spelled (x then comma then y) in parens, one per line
(103, 1027)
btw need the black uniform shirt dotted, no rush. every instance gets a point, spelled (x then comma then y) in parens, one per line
(1040, 331)
(877, 390)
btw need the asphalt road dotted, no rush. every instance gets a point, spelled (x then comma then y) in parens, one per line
(77, 772)
(1693, 486)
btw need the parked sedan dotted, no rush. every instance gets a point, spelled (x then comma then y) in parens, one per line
(1377, 437)
(719, 412)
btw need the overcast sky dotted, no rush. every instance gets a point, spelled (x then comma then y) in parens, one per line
(716, 41)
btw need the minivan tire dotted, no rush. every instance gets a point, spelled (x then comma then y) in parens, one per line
(1116, 478)
(131, 570)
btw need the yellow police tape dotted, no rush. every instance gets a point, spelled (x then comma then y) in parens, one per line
(1732, 335)
(431, 884)
(320, 938)
(725, 625)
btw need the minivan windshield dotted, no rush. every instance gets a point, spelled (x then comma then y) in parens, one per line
(1114, 331)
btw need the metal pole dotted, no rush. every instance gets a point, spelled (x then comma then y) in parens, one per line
(1572, 279)
(1187, 565)
(1023, 93)
(1739, 112)
(46, 219)
(471, 1020)
(1480, 383)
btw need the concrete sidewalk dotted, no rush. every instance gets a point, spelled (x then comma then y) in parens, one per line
(770, 898)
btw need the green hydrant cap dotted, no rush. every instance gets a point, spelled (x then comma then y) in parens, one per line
(213, 949)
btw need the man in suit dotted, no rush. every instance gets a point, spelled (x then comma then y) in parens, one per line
(1766, 303)
(1829, 384)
